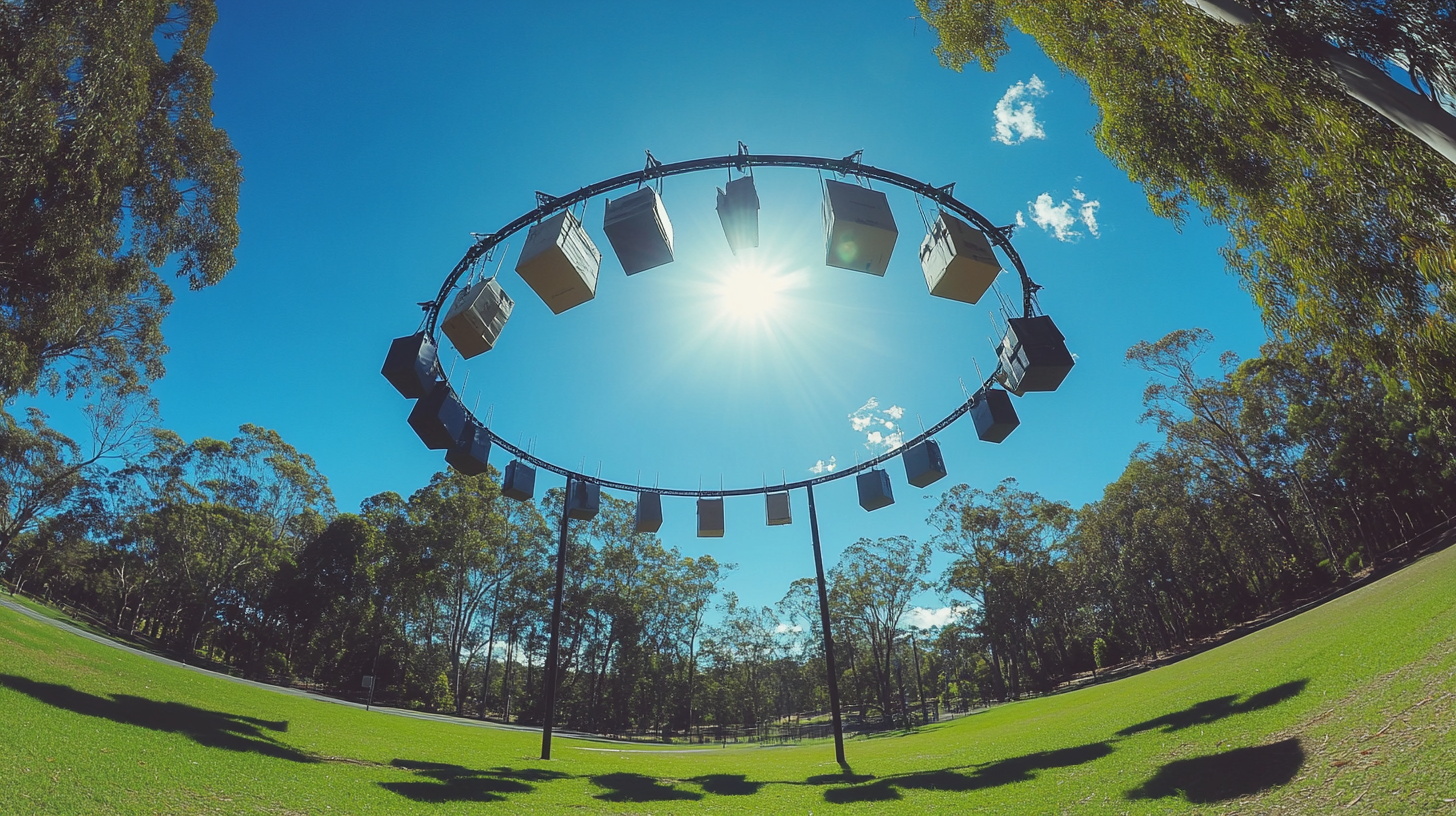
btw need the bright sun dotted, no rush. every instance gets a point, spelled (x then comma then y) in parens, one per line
(749, 292)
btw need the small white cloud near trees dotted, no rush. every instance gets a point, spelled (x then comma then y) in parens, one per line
(1016, 115)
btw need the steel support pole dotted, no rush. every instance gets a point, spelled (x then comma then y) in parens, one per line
(551, 648)
(828, 636)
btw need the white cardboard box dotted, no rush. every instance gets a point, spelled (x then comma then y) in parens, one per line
(738, 213)
(476, 317)
(859, 229)
(560, 262)
(638, 229)
(957, 260)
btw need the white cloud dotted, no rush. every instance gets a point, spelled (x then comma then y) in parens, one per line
(1020, 221)
(870, 416)
(1016, 116)
(784, 629)
(1060, 220)
(922, 618)
(822, 466)
(1089, 217)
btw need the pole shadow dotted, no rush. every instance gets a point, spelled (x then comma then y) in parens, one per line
(457, 783)
(213, 729)
(1228, 775)
(631, 787)
(1216, 709)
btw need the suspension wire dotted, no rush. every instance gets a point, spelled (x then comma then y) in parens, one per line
(923, 219)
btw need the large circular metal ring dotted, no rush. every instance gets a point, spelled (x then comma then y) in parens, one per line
(851, 165)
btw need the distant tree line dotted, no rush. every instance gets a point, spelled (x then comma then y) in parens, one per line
(1274, 481)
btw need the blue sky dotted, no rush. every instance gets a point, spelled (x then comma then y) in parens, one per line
(376, 137)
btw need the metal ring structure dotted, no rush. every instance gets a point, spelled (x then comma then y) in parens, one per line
(850, 165)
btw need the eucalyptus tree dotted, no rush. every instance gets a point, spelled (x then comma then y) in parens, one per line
(329, 597)
(875, 583)
(743, 646)
(519, 589)
(1204, 417)
(42, 470)
(1359, 452)
(110, 171)
(699, 581)
(467, 525)
(223, 517)
(1008, 546)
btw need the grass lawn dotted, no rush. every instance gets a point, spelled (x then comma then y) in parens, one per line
(1347, 707)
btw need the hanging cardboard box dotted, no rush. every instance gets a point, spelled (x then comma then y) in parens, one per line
(738, 213)
(649, 513)
(412, 365)
(519, 482)
(923, 463)
(994, 415)
(471, 454)
(637, 228)
(859, 229)
(1033, 355)
(957, 260)
(874, 489)
(477, 317)
(710, 518)
(585, 501)
(560, 262)
(438, 418)
(777, 510)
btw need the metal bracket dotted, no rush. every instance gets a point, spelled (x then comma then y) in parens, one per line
(545, 200)
(943, 193)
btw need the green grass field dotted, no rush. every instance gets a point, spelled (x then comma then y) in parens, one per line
(1347, 707)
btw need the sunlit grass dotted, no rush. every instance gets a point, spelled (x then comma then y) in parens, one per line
(1351, 701)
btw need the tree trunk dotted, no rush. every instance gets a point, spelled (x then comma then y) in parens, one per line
(1363, 82)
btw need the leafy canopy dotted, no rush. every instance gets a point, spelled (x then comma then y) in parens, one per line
(110, 171)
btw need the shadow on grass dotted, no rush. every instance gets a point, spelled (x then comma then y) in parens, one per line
(214, 729)
(1216, 709)
(1228, 775)
(990, 775)
(631, 787)
(457, 783)
(728, 784)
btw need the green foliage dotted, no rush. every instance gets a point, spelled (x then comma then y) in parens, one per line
(110, 170)
(1100, 652)
(1354, 562)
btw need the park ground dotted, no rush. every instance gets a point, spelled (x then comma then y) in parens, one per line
(1345, 708)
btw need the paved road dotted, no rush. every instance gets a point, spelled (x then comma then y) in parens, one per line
(396, 712)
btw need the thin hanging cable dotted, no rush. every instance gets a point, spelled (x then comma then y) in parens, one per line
(501, 261)
(923, 219)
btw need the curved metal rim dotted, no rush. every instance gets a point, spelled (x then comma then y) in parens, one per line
(848, 166)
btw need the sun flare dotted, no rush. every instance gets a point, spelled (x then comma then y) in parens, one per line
(750, 292)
